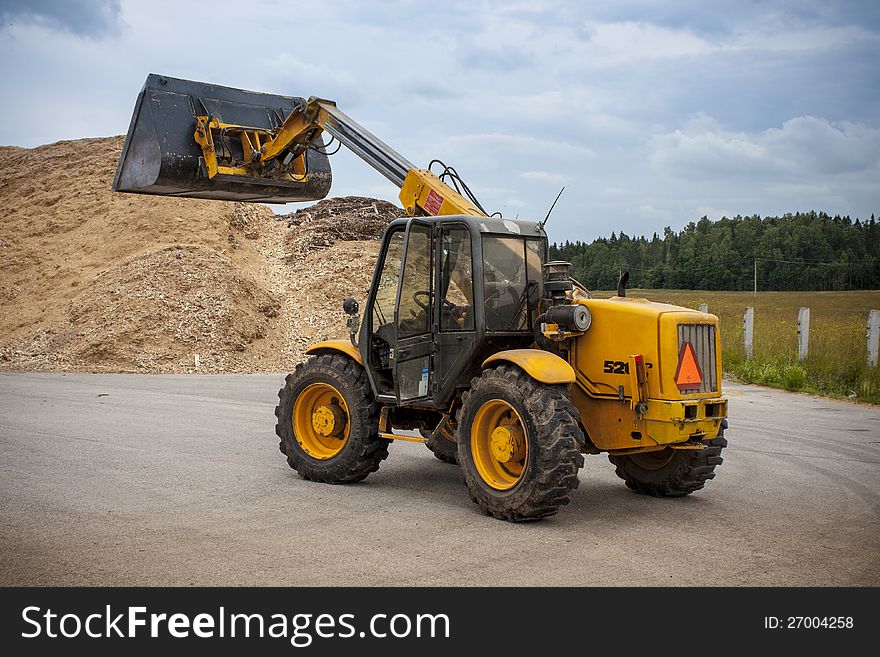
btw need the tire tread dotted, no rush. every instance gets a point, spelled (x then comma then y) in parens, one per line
(559, 440)
(371, 449)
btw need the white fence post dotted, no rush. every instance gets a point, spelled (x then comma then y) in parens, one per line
(803, 333)
(873, 337)
(748, 330)
(704, 307)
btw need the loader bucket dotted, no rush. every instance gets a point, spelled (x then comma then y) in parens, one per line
(161, 156)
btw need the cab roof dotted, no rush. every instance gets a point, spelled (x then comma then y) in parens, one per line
(514, 227)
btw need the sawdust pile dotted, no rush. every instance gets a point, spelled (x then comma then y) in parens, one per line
(91, 280)
(349, 218)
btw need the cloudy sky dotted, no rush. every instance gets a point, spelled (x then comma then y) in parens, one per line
(650, 113)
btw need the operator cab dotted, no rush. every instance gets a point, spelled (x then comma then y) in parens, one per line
(447, 292)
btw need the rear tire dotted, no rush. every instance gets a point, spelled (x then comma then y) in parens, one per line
(671, 472)
(518, 444)
(441, 447)
(342, 455)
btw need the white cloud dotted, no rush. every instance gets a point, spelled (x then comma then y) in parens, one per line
(548, 177)
(628, 42)
(823, 147)
(802, 147)
(514, 204)
(292, 71)
(714, 213)
(787, 39)
(650, 210)
(502, 144)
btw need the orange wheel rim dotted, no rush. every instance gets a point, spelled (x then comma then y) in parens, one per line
(321, 423)
(499, 444)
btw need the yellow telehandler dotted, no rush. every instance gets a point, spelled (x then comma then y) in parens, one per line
(470, 336)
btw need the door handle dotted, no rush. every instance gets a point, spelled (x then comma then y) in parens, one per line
(403, 353)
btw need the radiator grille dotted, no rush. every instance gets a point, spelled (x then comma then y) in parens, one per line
(702, 338)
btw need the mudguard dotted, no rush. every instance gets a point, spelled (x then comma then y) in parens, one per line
(339, 346)
(540, 365)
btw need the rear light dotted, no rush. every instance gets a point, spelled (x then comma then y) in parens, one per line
(715, 410)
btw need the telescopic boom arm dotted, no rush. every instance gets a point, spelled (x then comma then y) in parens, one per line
(421, 191)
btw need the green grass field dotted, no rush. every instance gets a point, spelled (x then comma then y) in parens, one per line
(837, 362)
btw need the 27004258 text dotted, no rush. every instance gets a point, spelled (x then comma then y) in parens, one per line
(808, 622)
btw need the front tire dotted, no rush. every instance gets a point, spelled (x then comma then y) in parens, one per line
(670, 472)
(328, 421)
(518, 445)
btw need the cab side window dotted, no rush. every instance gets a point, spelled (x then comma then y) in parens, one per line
(386, 290)
(504, 264)
(456, 280)
(414, 312)
(382, 326)
(512, 272)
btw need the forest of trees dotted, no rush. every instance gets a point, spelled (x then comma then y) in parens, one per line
(803, 251)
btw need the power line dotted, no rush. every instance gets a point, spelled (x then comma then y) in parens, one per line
(866, 259)
(666, 268)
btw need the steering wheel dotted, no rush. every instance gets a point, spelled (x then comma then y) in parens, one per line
(495, 295)
(448, 305)
(422, 293)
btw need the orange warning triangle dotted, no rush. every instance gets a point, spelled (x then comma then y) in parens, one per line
(688, 375)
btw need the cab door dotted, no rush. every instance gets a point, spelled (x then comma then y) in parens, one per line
(454, 362)
(413, 316)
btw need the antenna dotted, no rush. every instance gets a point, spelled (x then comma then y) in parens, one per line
(541, 225)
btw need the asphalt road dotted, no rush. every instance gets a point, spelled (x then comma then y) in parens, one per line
(177, 480)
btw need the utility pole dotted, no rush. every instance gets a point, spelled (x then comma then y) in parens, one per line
(756, 277)
(749, 332)
(803, 333)
(873, 337)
